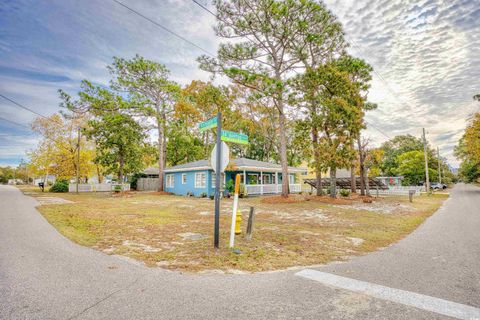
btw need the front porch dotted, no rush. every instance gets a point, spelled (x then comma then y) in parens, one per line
(265, 182)
(260, 189)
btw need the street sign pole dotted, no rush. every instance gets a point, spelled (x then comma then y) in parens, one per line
(217, 180)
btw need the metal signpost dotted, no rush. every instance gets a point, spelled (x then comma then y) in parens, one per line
(220, 160)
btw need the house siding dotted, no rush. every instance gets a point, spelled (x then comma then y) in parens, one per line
(189, 186)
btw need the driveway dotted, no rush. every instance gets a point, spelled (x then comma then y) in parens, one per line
(45, 276)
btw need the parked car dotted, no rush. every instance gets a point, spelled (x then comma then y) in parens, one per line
(438, 186)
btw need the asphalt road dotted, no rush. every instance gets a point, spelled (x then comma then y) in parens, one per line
(45, 276)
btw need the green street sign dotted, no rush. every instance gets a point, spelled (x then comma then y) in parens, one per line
(235, 137)
(210, 123)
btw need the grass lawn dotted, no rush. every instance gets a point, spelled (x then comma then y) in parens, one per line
(177, 232)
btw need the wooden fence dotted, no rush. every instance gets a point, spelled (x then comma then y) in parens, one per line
(147, 184)
(95, 187)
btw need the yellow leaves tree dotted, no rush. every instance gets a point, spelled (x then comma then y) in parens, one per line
(56, 152)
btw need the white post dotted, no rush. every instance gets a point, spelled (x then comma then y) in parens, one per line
(261, 182)
(276, 182)
(234, 212)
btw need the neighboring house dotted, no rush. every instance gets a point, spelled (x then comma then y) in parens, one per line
(258, 177)
(15, 181)
(391, 181)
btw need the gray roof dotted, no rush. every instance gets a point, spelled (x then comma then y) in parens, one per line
(240, 163)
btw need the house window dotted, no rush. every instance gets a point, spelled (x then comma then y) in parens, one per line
(184, 178)
(200, 180)
(170, 180)
(267, 179)
(214, 176)
(252, 178)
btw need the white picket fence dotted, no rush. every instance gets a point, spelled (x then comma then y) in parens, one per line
(398, 191)
(95, 187)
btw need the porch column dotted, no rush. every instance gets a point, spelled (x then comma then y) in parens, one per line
(261, 182)
(244, 178)
(276, 182)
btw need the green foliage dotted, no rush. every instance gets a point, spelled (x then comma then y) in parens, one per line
(394, 148)
(344, 192)
(6, 173)
(120, 140)
(230, 185)
(468, 150)
(470, 171)
(60, 185)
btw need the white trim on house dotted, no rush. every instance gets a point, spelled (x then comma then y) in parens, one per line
(187, 169)
(184, 178)
(200, 183)
(290, 170)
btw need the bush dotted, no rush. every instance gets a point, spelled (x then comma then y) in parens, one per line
(344, 192)
(59, 186)
(135, 177)
(203, 195)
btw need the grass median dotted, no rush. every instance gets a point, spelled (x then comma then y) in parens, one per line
(177, 232)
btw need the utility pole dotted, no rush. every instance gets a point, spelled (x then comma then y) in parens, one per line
(439, 167)
(78, 158)
(427, 185)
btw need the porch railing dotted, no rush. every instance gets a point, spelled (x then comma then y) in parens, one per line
(255, 189)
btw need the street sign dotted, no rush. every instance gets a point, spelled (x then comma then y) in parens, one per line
(224, 157)
(234, 137)
(210, 123)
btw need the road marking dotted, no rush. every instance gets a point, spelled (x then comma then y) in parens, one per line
(440, 306)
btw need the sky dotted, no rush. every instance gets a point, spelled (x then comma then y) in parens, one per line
(426, 56)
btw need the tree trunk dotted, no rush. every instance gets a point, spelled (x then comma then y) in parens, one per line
(367, 182)
(100, 178)
(283, 153)
(353, 182)
(161, 146)
(121, 163)
(316, 157)
(333, 182)
(362, 167)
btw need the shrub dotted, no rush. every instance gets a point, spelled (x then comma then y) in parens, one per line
(344, 192)
(230, 186)
(203, 195)
(135, 177)
(59, 186)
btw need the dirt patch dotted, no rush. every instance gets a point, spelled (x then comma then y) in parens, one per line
(329, 200)
(292, 198)
(161, 193)
(52, 200)
(378, 207)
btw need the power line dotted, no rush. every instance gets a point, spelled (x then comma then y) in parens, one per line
(15, 123)
(383, 133)
(204, 8)
(22, 106)
(164, 28)
(379, 75)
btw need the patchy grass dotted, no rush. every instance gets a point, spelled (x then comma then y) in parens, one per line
(156, 228)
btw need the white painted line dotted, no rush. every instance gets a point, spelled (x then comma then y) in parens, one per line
(440, 306)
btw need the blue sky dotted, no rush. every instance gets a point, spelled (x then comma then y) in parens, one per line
(426, 53)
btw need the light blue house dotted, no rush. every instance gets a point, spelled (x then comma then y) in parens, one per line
(197, 178)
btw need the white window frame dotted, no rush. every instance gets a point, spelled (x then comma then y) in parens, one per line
(170, 180)
(184, 178)
(200, 183)
(291, 179)
(214, 175)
